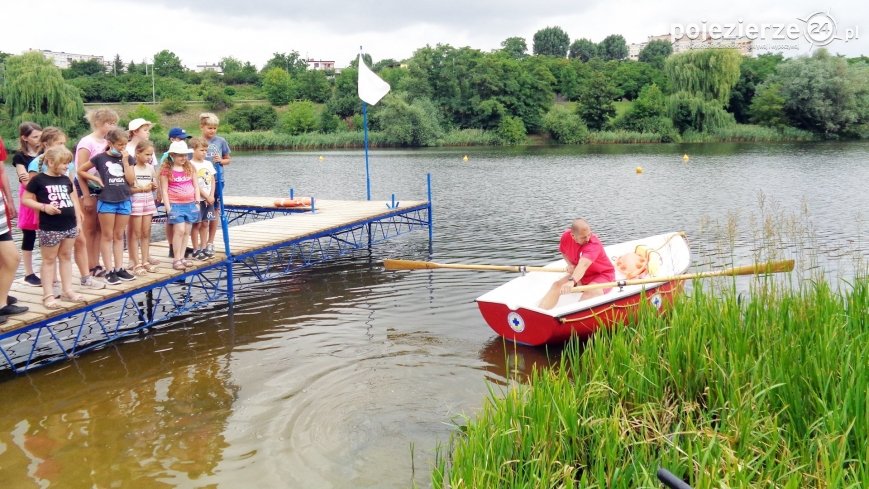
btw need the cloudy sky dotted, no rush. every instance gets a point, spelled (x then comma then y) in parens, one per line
(200, 31)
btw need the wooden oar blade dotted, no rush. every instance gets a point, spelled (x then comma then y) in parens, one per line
(781, 266)
(393, 264)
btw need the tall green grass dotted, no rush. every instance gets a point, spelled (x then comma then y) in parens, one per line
(622, 137)
(747, 133)
(773, 392)
(269, 140)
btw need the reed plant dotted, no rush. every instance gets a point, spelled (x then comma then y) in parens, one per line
(623, 137)
(747, 133)
(768, 392)
(269, 140)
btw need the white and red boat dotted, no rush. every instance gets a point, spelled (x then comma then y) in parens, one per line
(512, 311)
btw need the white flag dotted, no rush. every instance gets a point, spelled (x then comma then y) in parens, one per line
(372, 88)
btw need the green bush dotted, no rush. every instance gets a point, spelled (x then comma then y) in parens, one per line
(215, 98)
(565, 126)
(252, 118)
(511, 130)
(408, 124)
(300, 118)
(329, 122)
(229, 91)
(172, 106)
(689, 112)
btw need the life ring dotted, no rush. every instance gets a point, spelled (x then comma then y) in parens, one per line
(632, 265)
(298, 202)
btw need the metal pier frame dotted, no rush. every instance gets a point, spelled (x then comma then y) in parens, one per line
(93, 325)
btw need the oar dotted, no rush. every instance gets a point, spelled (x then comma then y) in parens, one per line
(391, 264)
(757, 268)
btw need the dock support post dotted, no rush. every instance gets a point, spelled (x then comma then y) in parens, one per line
(365, 126)
(430, 221)
(224, 227)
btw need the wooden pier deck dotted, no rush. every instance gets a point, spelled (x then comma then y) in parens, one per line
(244, 239)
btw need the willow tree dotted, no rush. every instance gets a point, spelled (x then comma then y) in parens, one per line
(706, 73)
(36, 91)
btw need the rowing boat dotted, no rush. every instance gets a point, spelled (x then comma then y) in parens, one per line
(512, 310)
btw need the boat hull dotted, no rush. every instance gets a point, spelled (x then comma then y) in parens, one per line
(533, 328)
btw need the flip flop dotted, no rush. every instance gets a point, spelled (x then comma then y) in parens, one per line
(72, 297)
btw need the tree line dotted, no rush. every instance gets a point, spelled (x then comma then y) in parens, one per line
(562, 89)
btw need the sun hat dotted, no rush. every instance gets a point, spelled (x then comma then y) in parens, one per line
(135, 124)
(178, 148)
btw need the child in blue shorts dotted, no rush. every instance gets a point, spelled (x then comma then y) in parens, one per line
(115, 175)
(181, 196)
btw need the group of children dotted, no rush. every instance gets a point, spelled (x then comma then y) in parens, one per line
(84, 204)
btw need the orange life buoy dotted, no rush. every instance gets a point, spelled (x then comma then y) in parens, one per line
(631, 265)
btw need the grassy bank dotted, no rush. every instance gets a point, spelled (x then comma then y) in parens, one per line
(771, 393)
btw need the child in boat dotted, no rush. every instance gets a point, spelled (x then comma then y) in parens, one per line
(205, 179)
(51, 194)
(180, 193)
(143, 208)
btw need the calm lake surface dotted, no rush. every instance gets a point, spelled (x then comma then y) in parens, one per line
(345, 375)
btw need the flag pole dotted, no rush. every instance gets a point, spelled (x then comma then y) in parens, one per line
(365, 134)
(365, 126)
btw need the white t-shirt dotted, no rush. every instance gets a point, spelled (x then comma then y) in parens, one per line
(205, 172)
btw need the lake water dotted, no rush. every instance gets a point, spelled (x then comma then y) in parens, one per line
(345, 375)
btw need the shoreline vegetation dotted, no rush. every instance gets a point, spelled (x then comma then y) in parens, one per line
(442, 96)
(270, 140)
(721, 391)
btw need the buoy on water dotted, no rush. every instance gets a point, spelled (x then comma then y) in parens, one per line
(322, 158)
(639, 170)
(685, 157)
(465, 158)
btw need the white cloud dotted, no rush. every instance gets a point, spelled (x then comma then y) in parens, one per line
(200, 31)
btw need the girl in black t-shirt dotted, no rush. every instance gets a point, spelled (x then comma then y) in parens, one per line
(51, 195)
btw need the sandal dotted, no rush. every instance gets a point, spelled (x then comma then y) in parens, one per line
(139, 270)
(188, 263)
(50, 302)
(179, 265)
(149, 268)
(153, 261)
(72, 297)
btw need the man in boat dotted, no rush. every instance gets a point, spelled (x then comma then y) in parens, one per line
(587, 263)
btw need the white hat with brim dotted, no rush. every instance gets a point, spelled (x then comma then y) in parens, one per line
(179, 148)
(135, 124)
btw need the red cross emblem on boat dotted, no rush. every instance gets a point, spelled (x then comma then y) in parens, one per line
(516, 322)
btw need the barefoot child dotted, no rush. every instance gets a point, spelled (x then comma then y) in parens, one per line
(51, 194)
(180, 193)
(143, 208)
(115, 176)
(205, 179)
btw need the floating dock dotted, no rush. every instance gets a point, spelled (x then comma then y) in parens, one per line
(261, 241)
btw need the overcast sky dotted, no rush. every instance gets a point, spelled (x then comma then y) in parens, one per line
(201, 31)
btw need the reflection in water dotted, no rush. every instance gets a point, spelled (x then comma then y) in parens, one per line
(121, 422)
(505, 360)
(328, 378)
